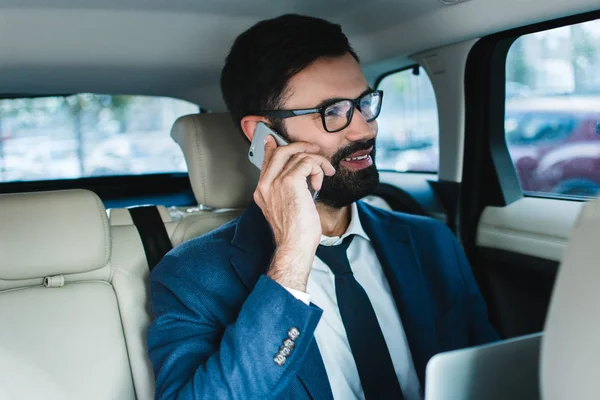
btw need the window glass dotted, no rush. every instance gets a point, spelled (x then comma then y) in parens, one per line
(88, 135)
(408, 138)
(552, 120)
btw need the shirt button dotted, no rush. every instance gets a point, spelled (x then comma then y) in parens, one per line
(293, 333)
(289, 343)
(285, 351)
(279, 359)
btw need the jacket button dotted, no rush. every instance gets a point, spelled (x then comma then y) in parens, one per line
(285, 351)
(279, 359)
(293, 333)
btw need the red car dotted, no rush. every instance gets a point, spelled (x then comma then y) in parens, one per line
(554, 143)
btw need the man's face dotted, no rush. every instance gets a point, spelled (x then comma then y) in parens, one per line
(335, 78)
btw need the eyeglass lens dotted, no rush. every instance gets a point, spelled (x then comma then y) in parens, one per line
(337, 116)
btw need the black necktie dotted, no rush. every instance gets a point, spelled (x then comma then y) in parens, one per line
(367, 343)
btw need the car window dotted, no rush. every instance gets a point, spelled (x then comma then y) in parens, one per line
(538, 128)
(408, 138)
(88, 135)
(552, 119)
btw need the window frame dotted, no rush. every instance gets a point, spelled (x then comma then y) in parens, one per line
(488, 87)
(415, 67)
(395, 71)
(170, 189)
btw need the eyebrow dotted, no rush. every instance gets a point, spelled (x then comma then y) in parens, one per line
(328, 101)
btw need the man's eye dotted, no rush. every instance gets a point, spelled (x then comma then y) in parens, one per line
(365, 102)
(333, 112)
(337, 110)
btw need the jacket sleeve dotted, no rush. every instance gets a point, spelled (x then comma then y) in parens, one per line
(195, 356)
(480, 329)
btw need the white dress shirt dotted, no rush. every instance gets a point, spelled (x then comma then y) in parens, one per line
(330, 333)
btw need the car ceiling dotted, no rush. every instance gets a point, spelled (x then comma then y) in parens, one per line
(177, 47)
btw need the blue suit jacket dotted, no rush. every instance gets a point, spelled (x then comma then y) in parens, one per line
(219, 321)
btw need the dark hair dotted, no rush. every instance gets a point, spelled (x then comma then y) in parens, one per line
(264, 58)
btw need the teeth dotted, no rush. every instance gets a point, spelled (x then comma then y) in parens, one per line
(356, 158)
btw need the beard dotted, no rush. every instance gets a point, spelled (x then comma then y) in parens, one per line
(348, 186)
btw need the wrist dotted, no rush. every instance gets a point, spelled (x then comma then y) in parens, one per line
(291, 267)
(299, 257)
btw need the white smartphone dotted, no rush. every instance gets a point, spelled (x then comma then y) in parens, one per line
(256, 154)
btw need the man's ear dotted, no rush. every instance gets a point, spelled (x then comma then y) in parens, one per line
(248, 124)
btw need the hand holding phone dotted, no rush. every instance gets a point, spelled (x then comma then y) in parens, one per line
(287, 206)
(256, 154)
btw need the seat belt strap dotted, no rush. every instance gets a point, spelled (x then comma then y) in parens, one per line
(153, 233)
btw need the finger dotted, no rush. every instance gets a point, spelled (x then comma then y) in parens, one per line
(305, 169)
(270, 146)
(281, 156)
(321, 161)
(316, 182)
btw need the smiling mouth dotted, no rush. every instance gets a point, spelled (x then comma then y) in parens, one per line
(357, 158)
(359, 155)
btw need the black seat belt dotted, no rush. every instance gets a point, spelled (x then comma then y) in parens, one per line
(153, 233)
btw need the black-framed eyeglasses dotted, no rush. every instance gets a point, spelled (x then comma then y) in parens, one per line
(337, 114)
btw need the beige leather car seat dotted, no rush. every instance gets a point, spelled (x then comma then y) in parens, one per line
(62, 302)
(570, 361)
(222, 178)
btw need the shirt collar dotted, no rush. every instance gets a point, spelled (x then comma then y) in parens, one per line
(354, 228)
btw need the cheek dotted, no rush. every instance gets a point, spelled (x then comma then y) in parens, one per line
(307, 128)
(310, 129)
(330, 144)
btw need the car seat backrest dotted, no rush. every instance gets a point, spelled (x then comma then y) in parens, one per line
(570, 363)
(61, 319)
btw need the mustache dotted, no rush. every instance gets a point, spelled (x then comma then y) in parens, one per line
(352, 148)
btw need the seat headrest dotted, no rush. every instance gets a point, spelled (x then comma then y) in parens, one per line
(52, 233)
(571, 343)
(216, 153)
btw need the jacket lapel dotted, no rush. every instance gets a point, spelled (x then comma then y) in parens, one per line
(393, 244)
(254, 247)
(313, 375)
(254, 244)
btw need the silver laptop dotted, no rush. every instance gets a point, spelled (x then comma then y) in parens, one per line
(498, 371)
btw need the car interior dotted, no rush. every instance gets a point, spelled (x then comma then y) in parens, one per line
(116, 145)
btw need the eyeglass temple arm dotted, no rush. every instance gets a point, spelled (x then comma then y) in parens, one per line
(288, 113)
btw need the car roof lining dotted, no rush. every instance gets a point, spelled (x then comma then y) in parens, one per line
(177, 48)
